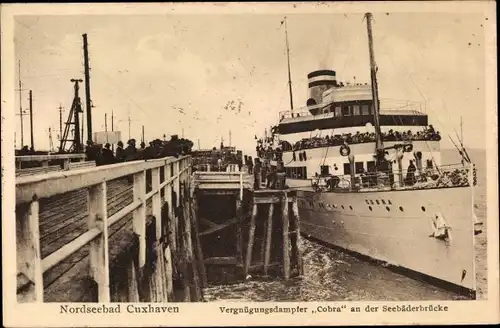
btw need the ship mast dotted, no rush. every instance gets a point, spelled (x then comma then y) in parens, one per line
(288, 60)
(376, 102)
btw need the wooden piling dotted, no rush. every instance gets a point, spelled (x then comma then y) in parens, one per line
(198, 248)
(286, 237)
(296, 241)
(251, 236)
(268, 234)
(193, 281)
(239, 238)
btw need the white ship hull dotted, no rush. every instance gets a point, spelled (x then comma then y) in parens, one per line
(398, 229)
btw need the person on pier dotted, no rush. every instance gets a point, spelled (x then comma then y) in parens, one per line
(130, 151)
(120, 153)
(107, 155)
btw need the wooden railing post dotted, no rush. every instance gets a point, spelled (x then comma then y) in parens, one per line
(98, 253)
(66, 164)
(169, 200)
(29, 261)
(155, 184)
(139, 220)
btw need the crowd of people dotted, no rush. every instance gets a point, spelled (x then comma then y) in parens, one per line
(429, 134)
(156, 149)
(265, 148)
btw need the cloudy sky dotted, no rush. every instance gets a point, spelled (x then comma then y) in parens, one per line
(176, 73)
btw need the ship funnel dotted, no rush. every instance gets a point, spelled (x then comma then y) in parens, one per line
(319, 82)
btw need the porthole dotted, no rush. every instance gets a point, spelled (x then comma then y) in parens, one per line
(423, 209)
(334, 206)
(383, 201)
(371, 201)
(370, 208)
(401, 208)
(342, 206)
(350, 207)
(367, 202)
(388, 208)
(389, 201)
(378, 203)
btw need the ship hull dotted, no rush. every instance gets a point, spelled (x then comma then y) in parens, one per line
(398, 229)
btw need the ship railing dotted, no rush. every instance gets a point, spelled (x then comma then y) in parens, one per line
(30, 190)
(444, 176)
(387, 107)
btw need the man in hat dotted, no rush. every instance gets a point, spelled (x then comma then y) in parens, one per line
(107, 155)
(120, 153)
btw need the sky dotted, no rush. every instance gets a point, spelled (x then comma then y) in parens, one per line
(203, 76)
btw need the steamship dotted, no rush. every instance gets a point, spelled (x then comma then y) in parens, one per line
(370, 180)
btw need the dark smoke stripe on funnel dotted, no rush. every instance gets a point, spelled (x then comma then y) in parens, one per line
(321, 72)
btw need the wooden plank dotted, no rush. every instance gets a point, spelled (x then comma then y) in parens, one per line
(269, 233)
(28, 252)
(260, 199)
(41, 158)
(286, 237)
(251, 235)
(139, 222)
(221, 260)
(99, 253)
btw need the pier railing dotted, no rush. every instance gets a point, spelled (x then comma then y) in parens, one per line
(30, 189)
(45, 159)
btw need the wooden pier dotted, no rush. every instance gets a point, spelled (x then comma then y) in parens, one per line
(246, 231)
(113, 233)
(148, 231)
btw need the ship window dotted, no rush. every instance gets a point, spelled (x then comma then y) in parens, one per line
(383, 201)
(364, 110)
(342, 206)
(346, 110)
(366, 200)
(401, 208)
(350, 206)
(338, 111)
(371, 201)
(389, 201)
(387, 208)
(423, 209)
(370, 166)
(355, 110)
(359, 167)
(378, 203)
(325, 170)
(347, 168)
(370, 208)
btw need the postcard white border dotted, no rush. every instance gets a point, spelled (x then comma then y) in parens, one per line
(204, 314)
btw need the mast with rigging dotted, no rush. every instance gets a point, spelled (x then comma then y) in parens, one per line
(376, 102)
(288, 60)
